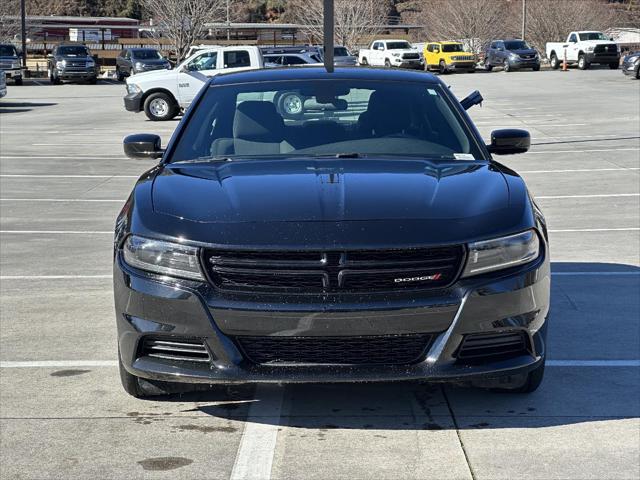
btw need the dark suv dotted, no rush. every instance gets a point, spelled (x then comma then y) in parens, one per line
(511, 55)
(371, 238)
(135, 60)
(10, 63)
(71, 62)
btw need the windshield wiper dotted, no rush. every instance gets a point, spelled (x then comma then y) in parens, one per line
(205, 160)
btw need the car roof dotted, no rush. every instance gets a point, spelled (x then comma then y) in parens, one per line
(448, 42)
(319, 73)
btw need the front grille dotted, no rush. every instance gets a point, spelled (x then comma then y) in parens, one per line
(492, 346)
(411, 56)
(174, 349)
(363, 350)
(464, 58)
(605, 49)
(5, 65)
(528, 56)
(305, 272)
(75, 66)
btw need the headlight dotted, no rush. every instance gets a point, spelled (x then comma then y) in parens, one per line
(165, 258)
(61, 64)
(500, 253)
(138, 66)
(15, 64)
(589, 49)
(396, 54)
(91, 63)
(133, 88)
(513, 56)
(633, 59)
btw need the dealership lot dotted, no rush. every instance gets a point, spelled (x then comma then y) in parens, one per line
(63, 414)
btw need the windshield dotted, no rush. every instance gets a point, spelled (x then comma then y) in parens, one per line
(452, 47)
(517, 45)
(147, 54)
(73, 51)
(593, 36)
(398, 45)
(340, 52)
(8, 51)
(322, 118)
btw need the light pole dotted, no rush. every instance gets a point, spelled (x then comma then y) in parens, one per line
(23, 25)
(228, 22)
(328, 35)
(524, 18)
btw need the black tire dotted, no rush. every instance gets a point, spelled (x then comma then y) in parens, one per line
(487, 66)
(290, 104)
(387, 63)
(531, 384)
(638, 72)
(92, 81)
(582, 62)
(17, 81)
(613, 66)
(472, 70)
(442, 67)
(160, 106)
(364, 62)
(142, 388)
(119, 75)
(506, 67)
(53, 78)
(536, 68)
(553, 61)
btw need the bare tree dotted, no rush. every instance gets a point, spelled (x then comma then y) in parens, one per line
(476, 22)
(551, 20)
(9, 19)
(184, 21)
(353, 19)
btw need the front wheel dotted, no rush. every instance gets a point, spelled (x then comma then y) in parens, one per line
(536, 68)
(387, 63)
(531, 383)
(488, 67)
(160, 107)
(119, 75)
(17, 81)
(442, 67)
(364, 62)
(506, 66)
(613, 66)
(582, 62)
(555, 64)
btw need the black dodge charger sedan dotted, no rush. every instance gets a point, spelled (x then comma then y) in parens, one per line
(359, 231)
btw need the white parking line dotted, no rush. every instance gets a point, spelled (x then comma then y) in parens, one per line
(54, 277)
(569, 230)
(36, 175)
(596, 273)
(91, 200)
(579, 170)
(60, 157)
(602, 195)
(254, 458)
(261, 413)
(59, 232)
(585, 151)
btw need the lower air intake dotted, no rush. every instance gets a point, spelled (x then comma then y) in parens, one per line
(361, 350)
(175, 349)
(492, 347)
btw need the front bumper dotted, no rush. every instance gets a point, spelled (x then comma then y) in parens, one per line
(155, 306)
(133, 102)
(82, 76)
(524, 63)
(461, 66)
(13, 73)
(404, 63)
(602, 58)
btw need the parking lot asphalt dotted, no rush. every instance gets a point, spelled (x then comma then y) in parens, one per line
(63, 414)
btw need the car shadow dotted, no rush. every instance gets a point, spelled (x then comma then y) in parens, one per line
(587, 141)
(18, 107)
(593, 317)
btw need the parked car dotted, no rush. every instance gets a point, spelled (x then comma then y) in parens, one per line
(584, 48)
(135, 60)
(71, 62)
(285, 59)
(631, 64)
(446, 57)
(511, 55)
(342, 57)
(10, 63)
(391, 53)
(373, 238)
(163, 94)
(3, 84)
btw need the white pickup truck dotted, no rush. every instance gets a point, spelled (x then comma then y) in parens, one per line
(391, 53)
(163, 94)
(584, 48)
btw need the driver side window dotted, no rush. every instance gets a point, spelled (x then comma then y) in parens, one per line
(206, 61)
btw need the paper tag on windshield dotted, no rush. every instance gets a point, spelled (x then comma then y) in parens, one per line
(463, 156)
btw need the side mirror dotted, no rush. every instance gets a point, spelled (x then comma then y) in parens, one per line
(509, 141)
(474, 98)
(143, 145)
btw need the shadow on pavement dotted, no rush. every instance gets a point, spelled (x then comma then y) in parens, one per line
(17, 107)
(585, 141)
(593, 317)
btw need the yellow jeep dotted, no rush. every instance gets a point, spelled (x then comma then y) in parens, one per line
(448, 57)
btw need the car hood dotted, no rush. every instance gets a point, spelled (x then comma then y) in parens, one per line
(328, 191)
